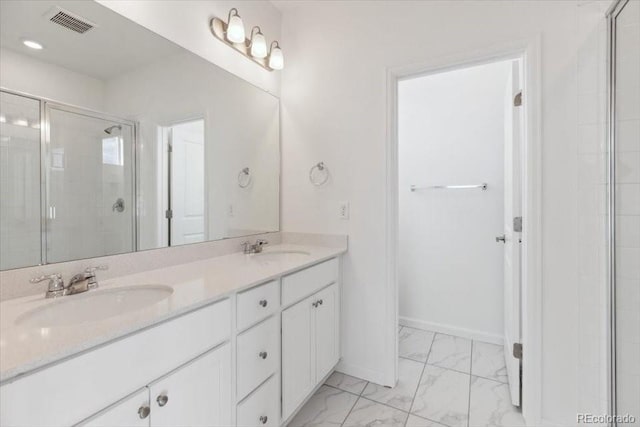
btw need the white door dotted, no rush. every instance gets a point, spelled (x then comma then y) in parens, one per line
(198, 394)
(512, 209)
(131, 412)
(326, 327)
(298, 347)
(187, 183)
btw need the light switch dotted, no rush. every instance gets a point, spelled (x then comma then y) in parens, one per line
(343, 210)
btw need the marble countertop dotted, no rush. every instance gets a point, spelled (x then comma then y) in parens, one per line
(196, 284)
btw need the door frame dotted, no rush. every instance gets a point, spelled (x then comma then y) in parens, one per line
(529, 50)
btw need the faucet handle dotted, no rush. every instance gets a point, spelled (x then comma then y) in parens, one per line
(96, 268)
(56, 284)
(51, 277)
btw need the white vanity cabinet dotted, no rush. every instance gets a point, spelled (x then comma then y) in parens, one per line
(310, 333)
(197, 394)
(249, 359)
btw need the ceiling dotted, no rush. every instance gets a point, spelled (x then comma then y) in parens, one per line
(114, 46)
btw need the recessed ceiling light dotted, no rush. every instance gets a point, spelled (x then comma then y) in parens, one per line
(32, 44)
(21, 122)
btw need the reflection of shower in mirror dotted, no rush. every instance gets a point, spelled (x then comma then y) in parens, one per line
(110, 129)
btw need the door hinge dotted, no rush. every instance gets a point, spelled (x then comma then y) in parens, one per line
(168, 214)
(517, 224)
(517, 350)
(517, 100)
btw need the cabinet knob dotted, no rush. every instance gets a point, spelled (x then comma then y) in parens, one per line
(144, 411)
(264, 419)
(162, 399)
(263, 355)
(263, 302)
(314, 304)
(320, 302)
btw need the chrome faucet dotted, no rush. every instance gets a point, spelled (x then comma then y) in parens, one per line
(255, 248)
(79, 283)
(85, 281)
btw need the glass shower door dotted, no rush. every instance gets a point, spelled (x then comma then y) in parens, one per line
(90, 187)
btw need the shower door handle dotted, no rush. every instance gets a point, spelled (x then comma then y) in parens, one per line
(502, 239)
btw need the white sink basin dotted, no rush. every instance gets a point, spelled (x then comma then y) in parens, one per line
(279, 254)
(94, 305)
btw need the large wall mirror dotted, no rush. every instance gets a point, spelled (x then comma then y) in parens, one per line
(114, 139)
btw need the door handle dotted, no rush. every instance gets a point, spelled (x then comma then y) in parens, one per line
(502, 239)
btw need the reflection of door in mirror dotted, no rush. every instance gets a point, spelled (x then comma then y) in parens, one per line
(186, 222)
(90, 189)
(20, 216)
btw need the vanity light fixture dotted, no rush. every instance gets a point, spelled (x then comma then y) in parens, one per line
(32, 44)
(235, 27)
(258, 44)
(255, 48)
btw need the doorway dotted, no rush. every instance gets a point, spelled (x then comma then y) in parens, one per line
(517, 326)
(185, 176)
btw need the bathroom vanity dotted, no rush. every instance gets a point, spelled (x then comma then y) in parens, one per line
(237, 340)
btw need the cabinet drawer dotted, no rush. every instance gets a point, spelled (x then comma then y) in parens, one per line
(261, 408)
(258, 355)
(257, 304)
(303, 283)
(130, 362)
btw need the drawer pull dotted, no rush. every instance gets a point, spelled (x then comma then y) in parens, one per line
(264, 419)
(162, 400)
(320, 302)
(144, 411)
(263, 355)
(263, 302)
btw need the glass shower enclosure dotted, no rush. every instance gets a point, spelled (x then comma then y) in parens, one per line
(67, 183)
(624, 211)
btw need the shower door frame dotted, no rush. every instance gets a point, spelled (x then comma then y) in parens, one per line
(611, 17)
(45, 107)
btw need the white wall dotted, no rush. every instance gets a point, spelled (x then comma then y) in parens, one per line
(186, 22)
(451, 132)
(21, 73)
(334, 109)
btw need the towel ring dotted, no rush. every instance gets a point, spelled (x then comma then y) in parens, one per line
(319, 169)
(244, 178)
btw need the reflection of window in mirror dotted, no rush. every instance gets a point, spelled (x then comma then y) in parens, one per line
(112, 148)
(57, 159)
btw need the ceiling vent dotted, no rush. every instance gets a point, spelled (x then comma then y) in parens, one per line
(69, 20)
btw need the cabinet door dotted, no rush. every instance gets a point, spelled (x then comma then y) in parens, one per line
(327, 317)
(298, 347)
(133, 411)
(198, 394)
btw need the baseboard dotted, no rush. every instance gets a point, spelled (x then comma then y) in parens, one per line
(362, 373)
(452, 330)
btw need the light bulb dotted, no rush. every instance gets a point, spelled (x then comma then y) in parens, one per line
(235, 28)
(3, 119)
(258, 45)
(276, 59)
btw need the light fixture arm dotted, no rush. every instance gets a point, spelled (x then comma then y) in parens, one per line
(233, 11)
(276, 45)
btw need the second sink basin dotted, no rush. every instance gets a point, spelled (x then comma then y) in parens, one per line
(94, 305)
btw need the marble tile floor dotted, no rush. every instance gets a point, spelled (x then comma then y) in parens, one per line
(444, 380)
